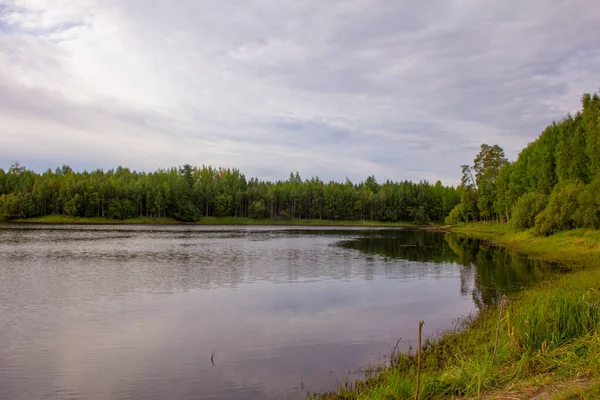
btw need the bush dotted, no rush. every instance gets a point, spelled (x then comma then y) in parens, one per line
(257, 209)
(186, 212)
(120, 209)
(526, 209)
(561, 210)
(223, 204)
(9, 205)
(455, 216)
(17, 205)
(421, 217)
(588, 206)
(72, 206)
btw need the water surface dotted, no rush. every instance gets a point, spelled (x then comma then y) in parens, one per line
(135, 312)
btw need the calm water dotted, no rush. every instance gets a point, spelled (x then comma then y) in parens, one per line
(135, 312)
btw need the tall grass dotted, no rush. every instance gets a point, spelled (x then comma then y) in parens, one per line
(555, 318)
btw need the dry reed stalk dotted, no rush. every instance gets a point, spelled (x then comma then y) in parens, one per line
(421, 323)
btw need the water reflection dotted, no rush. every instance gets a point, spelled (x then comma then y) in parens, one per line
(135, 312)
(489, 271)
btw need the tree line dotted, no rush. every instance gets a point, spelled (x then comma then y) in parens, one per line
(188, 193)
(553, 185)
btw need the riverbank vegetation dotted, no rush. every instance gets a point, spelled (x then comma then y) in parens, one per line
(188, 194)
(548, 336)
(552, 186)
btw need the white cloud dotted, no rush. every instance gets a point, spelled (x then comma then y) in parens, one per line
(402, 90)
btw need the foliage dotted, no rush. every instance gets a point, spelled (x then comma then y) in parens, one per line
(186, 211)
(563, 162)
(189, 193)
(527, 208)
(455, 216)
(480, 190)
(561, 210)
(258, 210)
(588, 205)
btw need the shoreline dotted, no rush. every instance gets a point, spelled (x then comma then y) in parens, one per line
(549, 335)
(207, 221)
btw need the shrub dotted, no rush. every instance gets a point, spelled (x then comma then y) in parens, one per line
(118, 209)
(223, 205)
(186, 212)
(455, 216)
(588, 206)
(257, 209)
(17, 205)
(561, 210)
(526, 209)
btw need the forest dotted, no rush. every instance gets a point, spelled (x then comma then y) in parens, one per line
(554, 184)
(189, 193)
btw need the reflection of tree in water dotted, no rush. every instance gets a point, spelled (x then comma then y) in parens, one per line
(497, 270)
(406, 244)
(489, 271)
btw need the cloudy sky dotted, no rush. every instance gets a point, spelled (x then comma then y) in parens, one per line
(398, 89)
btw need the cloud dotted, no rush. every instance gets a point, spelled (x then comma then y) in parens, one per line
(401, 90)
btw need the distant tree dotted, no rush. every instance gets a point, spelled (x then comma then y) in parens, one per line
(16, 168)
(187, 193)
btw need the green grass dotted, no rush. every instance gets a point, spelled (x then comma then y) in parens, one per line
(577, 248)
(59, 219)
(549, 335)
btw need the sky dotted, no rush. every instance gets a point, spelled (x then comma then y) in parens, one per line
(335, 89)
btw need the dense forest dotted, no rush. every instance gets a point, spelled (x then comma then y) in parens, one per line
(553, 185)
(188, 193)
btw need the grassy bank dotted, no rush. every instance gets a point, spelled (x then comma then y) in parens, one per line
(576, 248)
(59, 219)
(548, 337)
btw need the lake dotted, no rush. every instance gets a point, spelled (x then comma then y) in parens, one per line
(136, 312)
